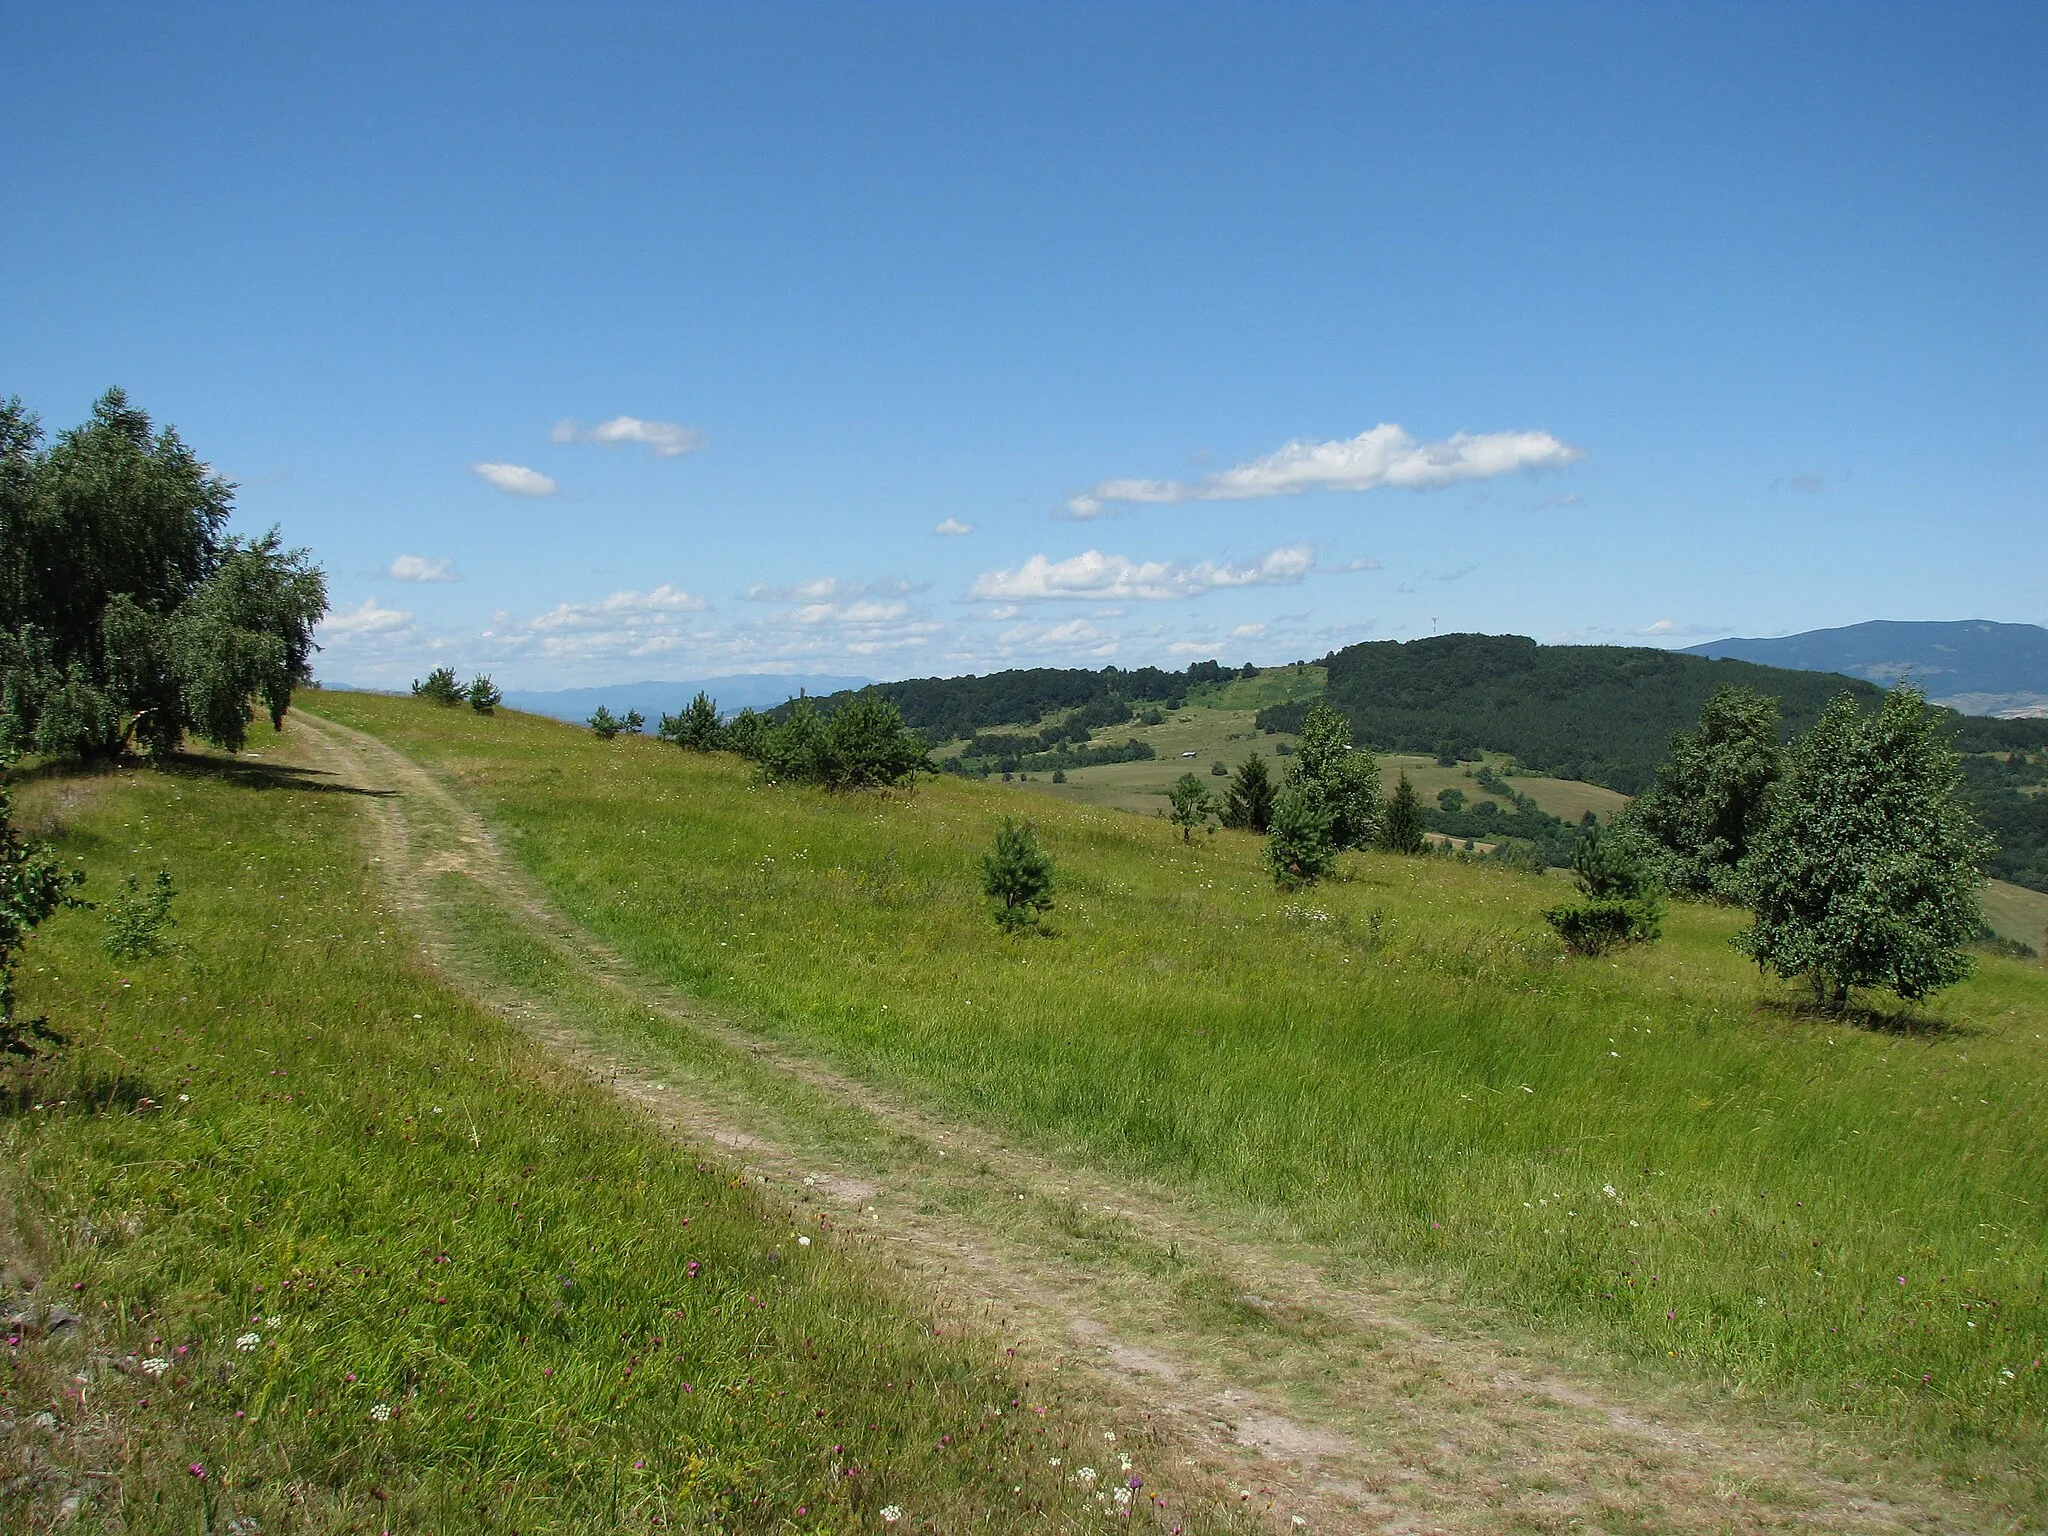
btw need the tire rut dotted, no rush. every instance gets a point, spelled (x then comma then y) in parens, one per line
(1292, 1393)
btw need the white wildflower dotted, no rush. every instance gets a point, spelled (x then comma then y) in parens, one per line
(1608, 1191)
(1085, 1476)
(156, 1365)
(891, 1514)
(1123, 1497)
(1125, 1461)
(381, 1413)
(803, 1242)
(248, 1341)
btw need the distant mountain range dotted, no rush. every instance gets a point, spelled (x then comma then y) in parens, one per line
(1971, 665)
(760, 690)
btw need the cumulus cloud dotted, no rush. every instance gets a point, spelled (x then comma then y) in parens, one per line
(668, 439)
(372, 618)
(952, 527)
(1385, 456)
(420, 568)
(517, 479)
(830, 589)
(621, 610)
(1096, 577)
(1671, 629)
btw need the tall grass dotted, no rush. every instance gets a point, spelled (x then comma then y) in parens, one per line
(1655, 1150)
(396, 1271)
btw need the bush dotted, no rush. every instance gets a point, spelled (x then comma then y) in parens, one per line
(1017, 875)
(139, 920)
(604, 725)
(1189, 805)
(32, 886)
(1248, 803)
(1625, 905)
(1219, 769)
(439, 688)
(697, 728)
(483, 694)
(1299, 848)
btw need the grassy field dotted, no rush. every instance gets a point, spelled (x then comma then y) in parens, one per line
(2014, 912)
(1655, 1152)
(349, 1254)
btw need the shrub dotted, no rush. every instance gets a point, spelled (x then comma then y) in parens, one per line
(1017, 875)
(1219, 769)
(483, 694)
(440, 687)
(1188, 806)
(1248, 803)
(32, 886)
(697, 728)
(139, 919)
(604, 725)
(1625, 903)
(1299, 848)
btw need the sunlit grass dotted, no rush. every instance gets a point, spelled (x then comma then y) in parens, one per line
(1651, 1151)
(402, 1273)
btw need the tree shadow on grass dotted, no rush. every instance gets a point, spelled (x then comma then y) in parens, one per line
(259, 775)
(1900, 1018)
(35, 1086)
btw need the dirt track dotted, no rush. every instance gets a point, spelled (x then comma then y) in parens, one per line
(1356, 1404)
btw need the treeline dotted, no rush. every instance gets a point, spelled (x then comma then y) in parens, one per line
(1600, 713)
(980, 763)
(954, 708)
(864, 745)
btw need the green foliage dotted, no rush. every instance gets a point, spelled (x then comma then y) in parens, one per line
(1188, 805)
(1601, 713)
(483, 694)
(1017, 876)
(697, 728)
(863, 745)
(139, 918)
(1452, 800)
(1710, 797)
(1868, 872)
(1059, 775)
(1003, 755)
(1340, 777)
(604, 725)
(747, 733)
(439, 687)
(1625, 904)
(1219, 769)
(1248, 803)
(127, 614)
(954, 708)
(1300, 849)
(1401, 827)
(33, 885)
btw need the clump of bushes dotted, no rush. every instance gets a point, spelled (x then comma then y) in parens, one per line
(1624, 903)
(863, 744)
(442, 687)
(604, 725)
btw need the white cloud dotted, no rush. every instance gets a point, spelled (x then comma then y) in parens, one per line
(1362, 563)
(1671, 629)
(830, 589)
(1384, 456)
(420, 568)
(954, 528)
(1096, 577)
(372, 618)
(621, 610)
(668, 439)
(517, 479)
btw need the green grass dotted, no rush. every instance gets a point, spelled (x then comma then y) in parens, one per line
(1401, 1063)
(289, 1133)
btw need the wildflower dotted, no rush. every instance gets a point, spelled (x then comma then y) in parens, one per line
(381, 1413)
(248, 1341)
(274, 1322)
(1123, 1498)
(156, 1365)
(891, 1514)
(1608, 1191)
(1055, 1461)
(198, 1470)
(803, 1242)
(1109, 1434)
(1085, 1476)
(1124, 1462)
(1298, 1520)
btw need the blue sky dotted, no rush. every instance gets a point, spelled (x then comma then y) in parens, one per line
(662, 339)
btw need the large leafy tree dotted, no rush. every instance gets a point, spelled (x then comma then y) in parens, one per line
(127, 612)
(1711, 797)
(1869, 869)
(1339, 777)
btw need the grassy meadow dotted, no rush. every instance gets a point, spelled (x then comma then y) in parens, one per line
(350, 1254)
(1656, 1152)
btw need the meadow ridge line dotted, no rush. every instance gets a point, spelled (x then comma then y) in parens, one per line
(1416, 1429)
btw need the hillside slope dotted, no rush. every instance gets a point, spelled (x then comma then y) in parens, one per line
(1973, 665)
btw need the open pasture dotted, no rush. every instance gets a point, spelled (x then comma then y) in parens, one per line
(1657, 1153)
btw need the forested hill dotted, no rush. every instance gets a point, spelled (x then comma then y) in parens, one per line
(952, 708)
(1602, 713)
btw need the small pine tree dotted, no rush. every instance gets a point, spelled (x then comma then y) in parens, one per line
(634, 723)
(1188, 805)
(1248, 803)
(1624, 905)
(749, 734)
(1869, 871)
(1401, 826)
(440, 687)
(1017, 875)
(483, 694)
(1299, 848)
(867, 746)
(697, 728)
(604, 725)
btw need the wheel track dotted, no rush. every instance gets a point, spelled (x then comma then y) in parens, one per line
(1419, 1428)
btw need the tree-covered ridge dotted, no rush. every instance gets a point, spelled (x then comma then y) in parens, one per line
(954, 708)
(1602, 713)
